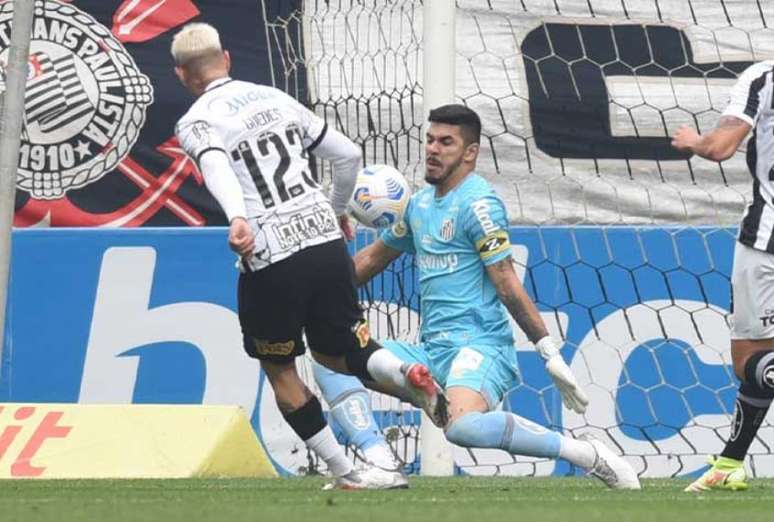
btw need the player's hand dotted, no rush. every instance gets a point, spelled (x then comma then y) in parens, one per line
(346, 227)
(685, 139)
(572, 394)
(240, 237)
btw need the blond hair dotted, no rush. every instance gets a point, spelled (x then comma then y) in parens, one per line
(195, 41)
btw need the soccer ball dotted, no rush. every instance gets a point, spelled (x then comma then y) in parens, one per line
(380, 197)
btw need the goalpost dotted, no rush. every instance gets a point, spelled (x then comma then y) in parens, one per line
(12, 112)
(438, 79)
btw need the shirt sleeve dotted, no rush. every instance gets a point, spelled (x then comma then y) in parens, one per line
(399, 236)
(197, 137)
(344, 156)
(313, 128)
(747, 95)
(223, 184)
(485, 224)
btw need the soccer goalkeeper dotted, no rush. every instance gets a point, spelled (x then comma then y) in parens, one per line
(457, 227)
(752, 279)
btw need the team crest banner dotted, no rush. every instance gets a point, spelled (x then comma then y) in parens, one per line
(102, 99)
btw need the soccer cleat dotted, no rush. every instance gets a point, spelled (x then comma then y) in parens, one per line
(369, 477)
(611, 469)
(426, 393)
(725, 474)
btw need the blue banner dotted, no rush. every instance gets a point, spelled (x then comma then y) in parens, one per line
(149, 316)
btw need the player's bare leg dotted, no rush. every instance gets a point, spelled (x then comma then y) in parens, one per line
(472, 425)
(303, 413)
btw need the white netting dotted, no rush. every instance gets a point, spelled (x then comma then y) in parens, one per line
(577, 98)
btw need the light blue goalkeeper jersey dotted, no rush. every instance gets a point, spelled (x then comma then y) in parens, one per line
(454, 237)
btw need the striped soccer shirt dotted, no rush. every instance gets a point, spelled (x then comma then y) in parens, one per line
(751, 101)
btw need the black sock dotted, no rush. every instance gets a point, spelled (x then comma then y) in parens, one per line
(307, 420)
(748, 416)
(357, 360)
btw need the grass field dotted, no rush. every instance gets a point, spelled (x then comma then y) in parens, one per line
(429, 499)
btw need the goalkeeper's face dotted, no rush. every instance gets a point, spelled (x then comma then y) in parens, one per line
(446, 155)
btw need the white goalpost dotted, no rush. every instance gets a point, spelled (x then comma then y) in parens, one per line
(12, 111)
(438, 81)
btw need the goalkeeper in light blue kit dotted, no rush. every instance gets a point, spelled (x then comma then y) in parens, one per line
(458, 229)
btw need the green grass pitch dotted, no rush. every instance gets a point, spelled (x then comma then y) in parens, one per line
(469, 499)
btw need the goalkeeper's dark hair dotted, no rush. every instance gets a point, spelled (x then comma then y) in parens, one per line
(464, 117)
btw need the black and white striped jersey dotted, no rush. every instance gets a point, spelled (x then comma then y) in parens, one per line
(751, 101)
(265, 135)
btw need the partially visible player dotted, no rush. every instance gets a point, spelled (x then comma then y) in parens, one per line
(752, 280)
(251, 143)
(458, 230)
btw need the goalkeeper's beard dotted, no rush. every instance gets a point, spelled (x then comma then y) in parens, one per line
(445, 174)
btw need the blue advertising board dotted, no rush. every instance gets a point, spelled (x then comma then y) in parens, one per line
(149, 316)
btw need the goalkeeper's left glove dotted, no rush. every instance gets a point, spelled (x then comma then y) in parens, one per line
(572, 395)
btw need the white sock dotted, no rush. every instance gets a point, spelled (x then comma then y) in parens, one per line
(579, 452)
(385, 368)
(324, 444)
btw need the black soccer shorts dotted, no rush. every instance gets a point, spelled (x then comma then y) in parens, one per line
(312, 291)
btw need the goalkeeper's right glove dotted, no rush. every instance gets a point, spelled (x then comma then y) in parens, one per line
(572, 394)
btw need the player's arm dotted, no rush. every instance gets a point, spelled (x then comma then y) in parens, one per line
(745, 102)
(526, 315)
(486, 227)
(719, 144)
(202, 144)
(373, 259)
(512, 294)
(345, 156)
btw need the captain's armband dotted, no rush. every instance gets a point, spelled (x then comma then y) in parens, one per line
(493, 244)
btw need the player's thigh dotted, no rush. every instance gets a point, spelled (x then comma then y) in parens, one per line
(334, 323)
(271, 305)
(490, 371)
(408, 352)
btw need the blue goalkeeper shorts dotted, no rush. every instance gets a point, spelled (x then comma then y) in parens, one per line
(490, 370)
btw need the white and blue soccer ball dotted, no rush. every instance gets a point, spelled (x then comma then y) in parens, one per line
(380, 197)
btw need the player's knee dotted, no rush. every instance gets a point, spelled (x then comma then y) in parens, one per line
(758, 373)
(357, 360)
(469, 431)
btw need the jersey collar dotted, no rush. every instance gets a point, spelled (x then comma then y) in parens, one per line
(214, 84)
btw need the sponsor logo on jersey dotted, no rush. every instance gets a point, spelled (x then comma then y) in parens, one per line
(268, 348)
(481, 210)
(493, 244)
(438, 262)
(447, 229)
(85, 100)
(231, 105)
(304, 226)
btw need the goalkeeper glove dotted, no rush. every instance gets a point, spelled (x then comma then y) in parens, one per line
(572, 395)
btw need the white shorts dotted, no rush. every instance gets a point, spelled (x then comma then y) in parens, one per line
(752, 282)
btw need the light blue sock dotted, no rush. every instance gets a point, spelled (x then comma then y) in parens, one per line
(506, 431)
(350, 407)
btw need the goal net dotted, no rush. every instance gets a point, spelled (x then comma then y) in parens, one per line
(625, 246)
